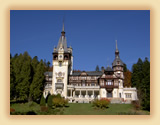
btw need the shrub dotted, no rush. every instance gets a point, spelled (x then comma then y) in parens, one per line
(59, 102)
(102, 103)
(44, 108)
(12, 110)
(136, 105)
(31, 104)
(43, 101)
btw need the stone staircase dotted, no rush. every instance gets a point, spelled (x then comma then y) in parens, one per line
(116, 101)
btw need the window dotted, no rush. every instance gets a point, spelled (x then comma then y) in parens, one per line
(92, 84)
(60, 64)
(65, 57)
(55, 57)
(109, 82)
(128, 95)
(109, 94)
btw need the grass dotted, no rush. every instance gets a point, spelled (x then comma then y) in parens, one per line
(32, 108)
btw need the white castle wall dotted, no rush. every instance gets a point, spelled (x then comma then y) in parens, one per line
(64, 70)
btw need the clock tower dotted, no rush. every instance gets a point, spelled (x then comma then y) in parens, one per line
(62, 66)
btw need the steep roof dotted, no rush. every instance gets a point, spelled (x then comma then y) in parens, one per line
(109, 69)
(117, 60)
(62, 41)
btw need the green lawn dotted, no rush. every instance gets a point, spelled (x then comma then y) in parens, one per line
(113, 109)
(78, 109)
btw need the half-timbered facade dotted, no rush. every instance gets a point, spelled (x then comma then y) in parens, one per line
(85, 86)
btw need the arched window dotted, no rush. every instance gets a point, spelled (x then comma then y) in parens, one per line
(65, 57)
(55, 57)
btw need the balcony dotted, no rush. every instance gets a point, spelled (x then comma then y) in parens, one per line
(109, 86)
(85, 87)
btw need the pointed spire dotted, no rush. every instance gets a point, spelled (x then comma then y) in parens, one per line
(63, 33)
(116, 52)
(116, 45)
(63, 26)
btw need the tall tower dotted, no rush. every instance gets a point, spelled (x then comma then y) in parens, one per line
(117, 66)
(62, 66)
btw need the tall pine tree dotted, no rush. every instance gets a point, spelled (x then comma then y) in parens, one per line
(36, 88)
(23, 86)
(141, 80)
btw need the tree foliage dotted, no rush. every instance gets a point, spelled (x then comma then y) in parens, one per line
(26, 76)
(43, 101)
(36, 88)
(141, 80)
(127, 78)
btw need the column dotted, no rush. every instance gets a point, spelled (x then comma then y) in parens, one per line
(71, 93)
(87, 93)
(93, 93)
(80, 92)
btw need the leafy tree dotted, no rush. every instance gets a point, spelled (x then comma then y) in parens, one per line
(125, 68)
(36, 88)
(97, 68)
(127, 78)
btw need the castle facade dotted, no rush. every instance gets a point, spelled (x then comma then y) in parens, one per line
(85, 86)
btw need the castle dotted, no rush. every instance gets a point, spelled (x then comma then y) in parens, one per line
(85, 86)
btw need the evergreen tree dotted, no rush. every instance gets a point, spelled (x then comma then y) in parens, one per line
(43, 101)
(49, 101)
(141, 80)
(97, 68)
(34, 64)
(25, 76)
(12, 81)
(48, 65)
(17, 66)
(36, 88)
(146, 84)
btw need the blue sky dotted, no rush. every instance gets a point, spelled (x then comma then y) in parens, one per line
(91, 34)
